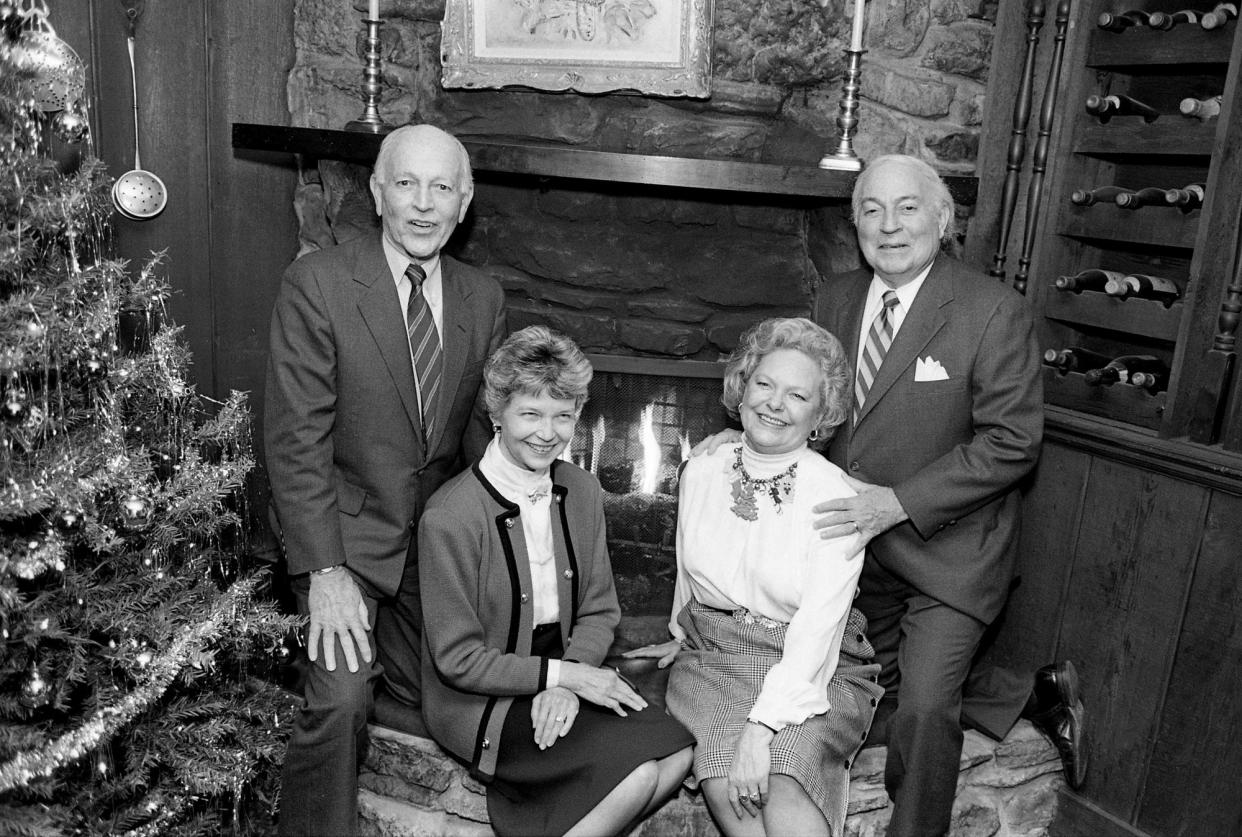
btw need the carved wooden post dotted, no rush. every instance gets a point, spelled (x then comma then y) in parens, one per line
(1039, 163)
(1212, 408)
(1017, 141)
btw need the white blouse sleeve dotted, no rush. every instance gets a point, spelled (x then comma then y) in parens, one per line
(681, 589)
(797, 687)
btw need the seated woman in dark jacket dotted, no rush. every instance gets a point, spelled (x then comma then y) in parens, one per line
(519, 610)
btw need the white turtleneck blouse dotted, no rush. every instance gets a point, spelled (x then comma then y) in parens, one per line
(532, 492)
(776, 566)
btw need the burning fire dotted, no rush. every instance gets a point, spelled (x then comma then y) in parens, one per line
(651, 451)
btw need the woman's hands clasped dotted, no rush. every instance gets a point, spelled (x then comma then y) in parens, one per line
(601, 686)
(552, 714)
(663, 653)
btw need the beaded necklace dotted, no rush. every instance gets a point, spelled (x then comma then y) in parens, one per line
(778, 486)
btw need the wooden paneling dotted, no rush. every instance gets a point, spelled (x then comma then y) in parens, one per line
(1078, 817)
(251, 195)
(1050, 520)
(1192, 785)
(1132, 568)
(229, 228)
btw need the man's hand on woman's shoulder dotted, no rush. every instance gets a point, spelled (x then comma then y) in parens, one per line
(709, 445)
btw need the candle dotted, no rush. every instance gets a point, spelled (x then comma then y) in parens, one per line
(856, 35)
(373, 10)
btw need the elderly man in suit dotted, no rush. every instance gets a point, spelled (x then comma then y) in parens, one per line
(947, 420)
(377, 352)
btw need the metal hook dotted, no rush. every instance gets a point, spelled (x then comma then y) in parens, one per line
(133, 11)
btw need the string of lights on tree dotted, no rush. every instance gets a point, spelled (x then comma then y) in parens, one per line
(134, 629)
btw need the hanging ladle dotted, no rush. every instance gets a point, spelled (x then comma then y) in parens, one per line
(138, 194)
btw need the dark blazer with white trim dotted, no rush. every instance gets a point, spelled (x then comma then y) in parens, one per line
(478, 606)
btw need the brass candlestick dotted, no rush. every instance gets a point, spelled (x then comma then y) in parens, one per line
(844, 158)
(371, 121)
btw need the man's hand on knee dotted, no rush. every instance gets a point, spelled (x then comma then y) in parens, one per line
(337, 612)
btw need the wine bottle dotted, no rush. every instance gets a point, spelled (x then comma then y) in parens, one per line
(1074, 359)
(1118, 22)
(1105, 108)
(1219, 16)
(1143, 286)
(1151, 381)
(1187, 198)
(1087, 197)
(1201, 109)
(1119, 369)
(1091, 279)
(1149, 196)
(1167, 20)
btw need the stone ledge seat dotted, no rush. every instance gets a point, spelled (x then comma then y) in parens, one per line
(410, 788)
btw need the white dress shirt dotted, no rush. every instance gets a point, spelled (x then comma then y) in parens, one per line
(875, 301)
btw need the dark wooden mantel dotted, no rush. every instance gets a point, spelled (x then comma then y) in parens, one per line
(558, 161)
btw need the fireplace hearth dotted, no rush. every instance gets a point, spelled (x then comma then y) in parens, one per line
(643, 416)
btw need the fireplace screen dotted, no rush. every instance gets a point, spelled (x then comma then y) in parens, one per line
(643, 416)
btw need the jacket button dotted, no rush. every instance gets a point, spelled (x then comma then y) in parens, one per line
(854, 466)
(859, 638)
(556, 498)
(413, 524)
(487, 743)
(523, 598)
(509, 523)
(569, 573)
(952, 522)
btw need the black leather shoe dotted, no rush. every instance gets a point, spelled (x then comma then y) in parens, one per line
(1060, 716)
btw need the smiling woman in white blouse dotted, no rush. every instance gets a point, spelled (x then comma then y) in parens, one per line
(519, 610)
(771, 666)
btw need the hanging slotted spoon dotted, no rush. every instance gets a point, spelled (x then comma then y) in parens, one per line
(138, 194)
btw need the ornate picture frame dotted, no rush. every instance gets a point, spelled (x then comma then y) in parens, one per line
(656, 47)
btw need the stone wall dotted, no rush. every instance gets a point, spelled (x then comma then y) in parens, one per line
(648, 270)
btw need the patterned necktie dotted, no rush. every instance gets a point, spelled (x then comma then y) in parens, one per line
(424, 348)
(879, 338)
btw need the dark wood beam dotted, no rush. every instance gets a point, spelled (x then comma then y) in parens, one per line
(555, 161)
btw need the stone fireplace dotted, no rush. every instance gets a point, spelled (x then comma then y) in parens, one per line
(638, 426)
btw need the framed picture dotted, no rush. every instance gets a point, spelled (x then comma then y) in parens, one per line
(659, 47)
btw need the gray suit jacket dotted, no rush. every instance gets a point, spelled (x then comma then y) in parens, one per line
(953, 450)
(349, 471)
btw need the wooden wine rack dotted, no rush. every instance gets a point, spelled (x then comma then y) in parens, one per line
(1197, 249)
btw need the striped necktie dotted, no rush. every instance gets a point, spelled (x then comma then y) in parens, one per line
(424, 348)
(879, 338)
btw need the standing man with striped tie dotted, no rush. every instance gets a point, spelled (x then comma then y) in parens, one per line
(947, 420)
(377, 352)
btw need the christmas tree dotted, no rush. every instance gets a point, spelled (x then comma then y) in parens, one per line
(134, 629)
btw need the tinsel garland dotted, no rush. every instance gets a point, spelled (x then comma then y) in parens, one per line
(104, 723)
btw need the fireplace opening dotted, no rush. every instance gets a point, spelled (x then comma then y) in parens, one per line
(642, 418)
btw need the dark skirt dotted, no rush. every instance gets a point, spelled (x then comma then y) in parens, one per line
(718, 676)
(545, 792)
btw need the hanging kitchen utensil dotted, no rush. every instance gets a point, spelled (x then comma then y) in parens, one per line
(59, 76)
(138, 194)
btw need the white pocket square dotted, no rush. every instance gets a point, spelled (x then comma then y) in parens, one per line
(926, 369)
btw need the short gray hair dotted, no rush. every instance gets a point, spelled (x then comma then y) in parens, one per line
(921, 169)
(802, 335)
(395, 138)
(536, 361)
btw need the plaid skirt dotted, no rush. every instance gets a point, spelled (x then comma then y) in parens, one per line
(716, 680)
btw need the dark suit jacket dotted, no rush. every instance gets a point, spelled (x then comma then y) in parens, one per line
(349, 470)
(953, 450)
(478, 604)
